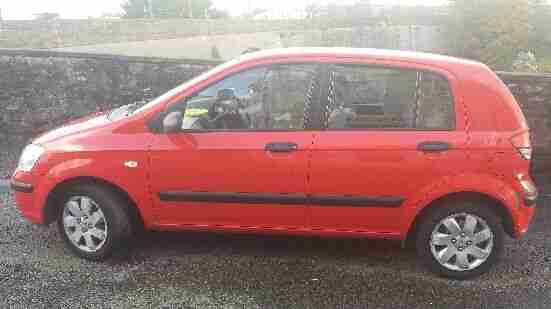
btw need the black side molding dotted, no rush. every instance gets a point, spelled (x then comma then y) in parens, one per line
(225, 197)
(21, 187)
(357, 201)
(282, 199)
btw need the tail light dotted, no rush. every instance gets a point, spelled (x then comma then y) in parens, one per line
(521, 142)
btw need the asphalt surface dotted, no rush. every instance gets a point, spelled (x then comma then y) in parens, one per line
(202, 270)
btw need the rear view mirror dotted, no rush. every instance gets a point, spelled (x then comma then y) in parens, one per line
(226, 94)
(172, 122)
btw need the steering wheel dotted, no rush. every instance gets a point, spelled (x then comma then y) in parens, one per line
(224, 114)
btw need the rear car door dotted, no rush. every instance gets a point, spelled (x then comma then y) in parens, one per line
(241, 159)
(389, 132)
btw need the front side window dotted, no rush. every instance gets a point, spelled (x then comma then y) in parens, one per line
(363, 97)
(264, 98)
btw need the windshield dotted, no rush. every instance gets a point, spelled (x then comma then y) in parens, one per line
(166, 96)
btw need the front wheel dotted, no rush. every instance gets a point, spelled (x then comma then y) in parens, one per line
(460, 240)
(94, 223)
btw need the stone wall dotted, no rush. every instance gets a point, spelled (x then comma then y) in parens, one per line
(533, 92)
(41, 89)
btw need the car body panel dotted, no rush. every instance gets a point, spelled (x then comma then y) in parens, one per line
(229, 162)
(376, 163)
(343, 164)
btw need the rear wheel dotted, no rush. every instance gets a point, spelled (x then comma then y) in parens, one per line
(94, 223)
(460, 240)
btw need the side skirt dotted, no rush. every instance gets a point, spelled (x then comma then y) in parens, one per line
(279, 231)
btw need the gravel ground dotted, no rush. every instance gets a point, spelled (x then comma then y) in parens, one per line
(9, 155)
(202, 270)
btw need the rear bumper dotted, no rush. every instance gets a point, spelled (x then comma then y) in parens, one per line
(531, 201)
(523, 217)
(528, 198)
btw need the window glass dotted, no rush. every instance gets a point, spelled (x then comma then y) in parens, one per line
(369, 97)
(267, 98)
(435, 103)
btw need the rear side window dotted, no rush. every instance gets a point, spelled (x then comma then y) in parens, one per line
(365, 97)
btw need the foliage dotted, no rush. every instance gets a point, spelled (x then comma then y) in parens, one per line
(172, 9)
(525, 62)
(540, 37)
(135, 9)
(491, 31)
(544, 65)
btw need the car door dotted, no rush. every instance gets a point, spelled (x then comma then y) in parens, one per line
(241, 159)
(389, 132)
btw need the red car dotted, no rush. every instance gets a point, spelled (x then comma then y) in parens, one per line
(430, 150)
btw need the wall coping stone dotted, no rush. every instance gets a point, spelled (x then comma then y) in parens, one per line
(37, 53)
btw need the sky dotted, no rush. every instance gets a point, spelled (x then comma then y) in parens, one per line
(24, 9)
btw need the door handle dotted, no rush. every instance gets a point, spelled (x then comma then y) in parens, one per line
(433, 146)
(281, 147)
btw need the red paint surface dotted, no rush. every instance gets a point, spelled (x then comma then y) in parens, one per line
(350, 163)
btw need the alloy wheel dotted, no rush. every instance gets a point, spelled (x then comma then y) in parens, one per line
(84, 224)
(461, 242)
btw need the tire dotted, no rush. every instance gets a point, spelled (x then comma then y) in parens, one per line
(455, 268)
(117, 225)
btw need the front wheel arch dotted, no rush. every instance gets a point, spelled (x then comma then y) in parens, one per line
(494, 204)
(52, 201)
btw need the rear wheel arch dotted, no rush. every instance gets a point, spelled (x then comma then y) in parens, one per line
(497, 206)
(53, 203)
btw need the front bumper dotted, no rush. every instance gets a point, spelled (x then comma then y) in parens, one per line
(21, 187)
(29, 197)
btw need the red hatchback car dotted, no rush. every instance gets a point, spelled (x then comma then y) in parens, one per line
(430, 150)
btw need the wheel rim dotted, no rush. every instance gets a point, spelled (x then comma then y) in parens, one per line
(85, 224)
(461, 242)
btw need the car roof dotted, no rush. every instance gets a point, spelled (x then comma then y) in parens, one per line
(383, 54)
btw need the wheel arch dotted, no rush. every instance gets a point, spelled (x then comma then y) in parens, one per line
(496, 205)
(52, 201)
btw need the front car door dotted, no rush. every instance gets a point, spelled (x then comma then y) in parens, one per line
(241, 159)
(390, 132)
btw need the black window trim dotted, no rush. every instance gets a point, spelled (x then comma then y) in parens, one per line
(324, 100)
(156, 121)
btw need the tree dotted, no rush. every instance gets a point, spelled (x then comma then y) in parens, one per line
(540, 39)
(167, 8)
(135, 9)
(491, 31)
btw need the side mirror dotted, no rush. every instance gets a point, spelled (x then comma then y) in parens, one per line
(172, 122)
